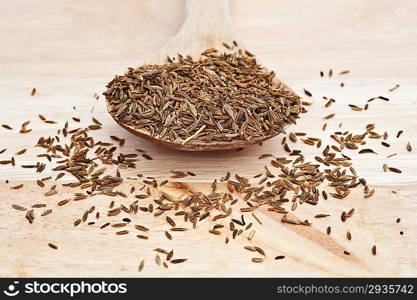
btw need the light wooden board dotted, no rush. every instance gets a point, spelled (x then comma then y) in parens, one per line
(70, 50)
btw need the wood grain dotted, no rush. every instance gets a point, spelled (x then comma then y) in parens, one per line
(70, 50)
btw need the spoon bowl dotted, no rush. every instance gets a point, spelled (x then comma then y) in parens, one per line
(196, 145)
(206, 26)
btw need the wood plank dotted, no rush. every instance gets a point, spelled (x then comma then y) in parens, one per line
(69, 51)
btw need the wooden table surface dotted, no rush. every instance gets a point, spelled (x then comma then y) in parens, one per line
(69, 50)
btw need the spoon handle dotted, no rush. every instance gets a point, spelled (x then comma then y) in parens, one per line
(208, 22)
(207, 25)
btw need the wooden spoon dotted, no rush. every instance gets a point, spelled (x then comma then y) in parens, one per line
(207, 25)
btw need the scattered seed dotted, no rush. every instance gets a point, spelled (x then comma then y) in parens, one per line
(409, 148)
(394, 88)
(141, 265)
(367, 151)
(328, 117)
(399, 133)
(321, 216)
(6, 126)
(18, 207)
(16, 187)
(348, 235)
(329, 230)
(21, 152)
(178, 260)
(53, 246)
(307, 93)
(395, 170)
(146, 156)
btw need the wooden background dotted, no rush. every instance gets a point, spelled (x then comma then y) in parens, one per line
(69, 50)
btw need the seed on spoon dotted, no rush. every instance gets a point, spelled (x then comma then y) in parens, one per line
(256, 108)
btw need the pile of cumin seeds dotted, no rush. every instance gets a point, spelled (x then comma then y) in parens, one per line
(290, 180)
(228, 206)
(220, 97)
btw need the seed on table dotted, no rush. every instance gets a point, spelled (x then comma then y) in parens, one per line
(16, 187)
(250, 248)
(20, 152)
(394, 88)
(260, 251)
(146, 156)
(409, 148)
(178, 260)
(399, 133)
(168, 235)
(158, 260)
(321, 216)
(46, 212)
(395, 170)
(18, 207)
(53, 246)
(329, 230)
(348, 235)
(307, 93)
(141, 228)
(170, 221)
(141, 265)
(328, 117)
(367, 151)
(104, 225)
